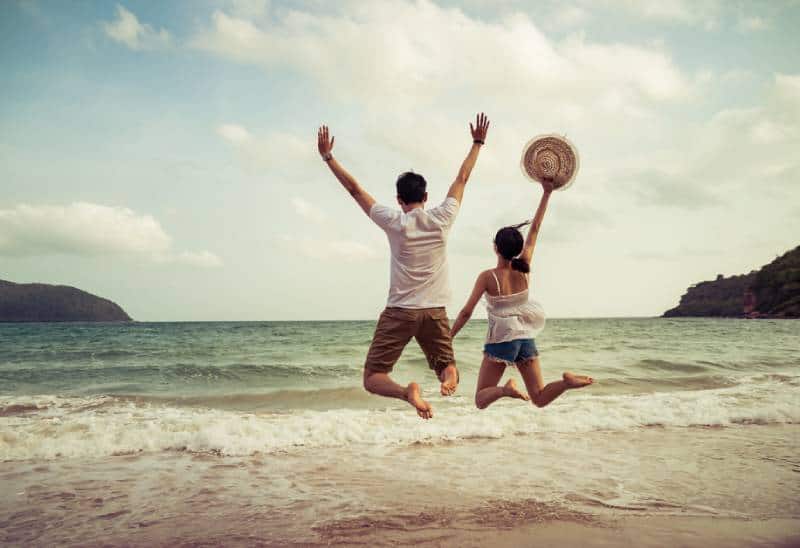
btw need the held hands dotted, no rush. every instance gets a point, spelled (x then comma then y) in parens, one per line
(480, 128)
(324, 145)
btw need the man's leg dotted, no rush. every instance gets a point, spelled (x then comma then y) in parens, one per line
(433, 337)
(395, 328)
(383, 385)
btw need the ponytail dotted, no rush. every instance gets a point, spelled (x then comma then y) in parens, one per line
(520, 265)
(520, 225)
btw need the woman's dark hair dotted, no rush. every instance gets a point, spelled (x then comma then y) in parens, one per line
(509, 242)
(411, 187)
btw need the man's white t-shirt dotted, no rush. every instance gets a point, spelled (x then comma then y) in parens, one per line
(418, 241)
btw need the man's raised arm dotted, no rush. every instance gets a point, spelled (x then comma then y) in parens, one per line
(325, 146)
(478, 139)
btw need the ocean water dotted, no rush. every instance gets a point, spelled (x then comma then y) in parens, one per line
(264, 427)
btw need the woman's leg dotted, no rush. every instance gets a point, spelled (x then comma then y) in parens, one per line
(487, 391)
(542, 394)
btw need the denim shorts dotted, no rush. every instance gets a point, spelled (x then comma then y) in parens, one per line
(511, 352)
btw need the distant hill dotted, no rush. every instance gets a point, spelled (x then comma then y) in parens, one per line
(55, 303)
(772, 292)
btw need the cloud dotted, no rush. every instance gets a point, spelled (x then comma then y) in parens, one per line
(725, 157)
(571, 16)
(234, 133)
(203, 259)
(690, 12)
(87, 229)
(433, 53)
(652, 187)
(752, 23)
(328, 249)
(751, 138)
(276, 150)
(250, 8)
(308, 211)
(126, 29)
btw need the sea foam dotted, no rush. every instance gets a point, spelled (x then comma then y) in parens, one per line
(47, 427)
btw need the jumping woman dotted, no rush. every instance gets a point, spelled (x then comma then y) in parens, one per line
(514, 320)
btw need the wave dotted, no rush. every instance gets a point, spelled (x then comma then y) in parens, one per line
(176, 373)
(276, 401)
(101, 426)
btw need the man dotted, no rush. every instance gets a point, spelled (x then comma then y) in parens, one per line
(419, 286)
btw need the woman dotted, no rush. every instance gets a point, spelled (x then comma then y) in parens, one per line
(513, 320)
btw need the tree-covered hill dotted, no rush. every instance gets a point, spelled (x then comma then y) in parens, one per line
(773, 291)
(55, 303)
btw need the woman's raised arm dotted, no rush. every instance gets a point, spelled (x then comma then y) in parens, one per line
(533, 232)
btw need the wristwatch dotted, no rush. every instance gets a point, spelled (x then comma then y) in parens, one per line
(327, 157)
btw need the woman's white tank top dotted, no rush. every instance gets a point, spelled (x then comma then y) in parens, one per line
(514, 316)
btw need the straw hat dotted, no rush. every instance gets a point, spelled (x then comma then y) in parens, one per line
(550, 157)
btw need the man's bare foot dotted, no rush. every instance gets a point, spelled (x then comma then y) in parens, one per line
(576, 381)
(413, 397)
(449, 378)
(510, 390)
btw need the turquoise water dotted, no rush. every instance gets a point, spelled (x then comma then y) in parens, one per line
(229, 358)
(650, 372)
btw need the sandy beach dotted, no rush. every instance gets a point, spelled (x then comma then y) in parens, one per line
(495, 493)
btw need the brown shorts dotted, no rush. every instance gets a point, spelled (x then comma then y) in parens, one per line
(395, 328)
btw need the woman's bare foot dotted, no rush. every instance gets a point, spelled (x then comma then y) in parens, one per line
(576, 381)
(449, 379)
(413, 397)
(510, 390)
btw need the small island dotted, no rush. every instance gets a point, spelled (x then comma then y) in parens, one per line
(770, 292)
(55, 303)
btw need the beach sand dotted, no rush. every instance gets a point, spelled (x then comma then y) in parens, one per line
(484, 493)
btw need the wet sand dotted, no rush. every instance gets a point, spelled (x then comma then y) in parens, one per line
(657, 487)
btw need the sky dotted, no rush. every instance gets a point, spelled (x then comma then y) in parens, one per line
(163, 155)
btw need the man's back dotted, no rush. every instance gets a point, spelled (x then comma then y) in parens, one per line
(418, 242)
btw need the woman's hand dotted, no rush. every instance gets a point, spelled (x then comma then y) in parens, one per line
(324, 145)
(481, 127)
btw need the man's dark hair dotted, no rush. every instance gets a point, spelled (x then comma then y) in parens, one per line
(411, 187)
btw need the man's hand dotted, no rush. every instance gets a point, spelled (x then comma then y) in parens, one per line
(480, 128)
(324, 145)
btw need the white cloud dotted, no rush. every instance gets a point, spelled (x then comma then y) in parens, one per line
(330, 249)
(126, 29)
(752, 23)
(276, 150)
(250, 9)
(787, 90)
(433, 53)
(658, 188)
(691, 12)
(308, 211)
(203, 259)
(571, 16)
(87, 229)
(234, 133)
(735, 148)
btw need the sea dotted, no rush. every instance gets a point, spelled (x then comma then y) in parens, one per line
(208, 433)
